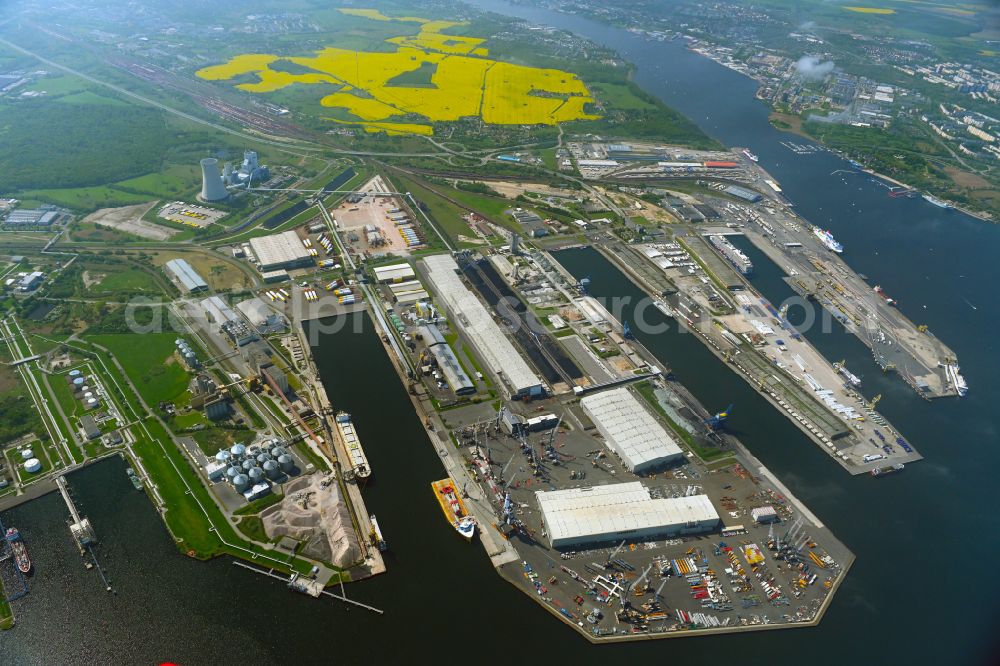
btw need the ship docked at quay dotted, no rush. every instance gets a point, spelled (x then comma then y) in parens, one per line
(827, 239)
(885, 471)
(19, 549)
(957, 380)
(732, 254)
(359, 462)
(454, 508)
(935, 201)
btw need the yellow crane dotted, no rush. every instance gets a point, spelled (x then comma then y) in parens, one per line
(922, 328)
(874, 401)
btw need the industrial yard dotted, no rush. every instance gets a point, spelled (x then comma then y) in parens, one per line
(597, 487)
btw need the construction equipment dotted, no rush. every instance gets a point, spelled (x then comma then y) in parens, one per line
(717, 421)
(611, 557)
(922, 328)
(874, 401)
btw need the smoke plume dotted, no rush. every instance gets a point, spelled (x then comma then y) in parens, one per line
(810, 68)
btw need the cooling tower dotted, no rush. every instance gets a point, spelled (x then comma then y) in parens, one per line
(212, 187)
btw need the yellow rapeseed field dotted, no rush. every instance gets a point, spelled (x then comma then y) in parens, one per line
(464, 83)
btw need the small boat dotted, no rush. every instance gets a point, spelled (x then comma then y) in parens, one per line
(750, 156)
(134, 478)
(454, 508)
(19, 549)
(884, 471)
(376, 535)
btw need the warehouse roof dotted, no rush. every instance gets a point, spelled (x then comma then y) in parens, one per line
(600, 511)
(630, 429)
(465, 309)
(279, 250)
(218, 310)
(186, 275)
(393, 272)
(257, 311)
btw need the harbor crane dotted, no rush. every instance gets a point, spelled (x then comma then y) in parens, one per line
(645, 574)
(717, 421)
(611, 557)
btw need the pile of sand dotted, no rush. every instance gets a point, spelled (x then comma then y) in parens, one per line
(318, 517)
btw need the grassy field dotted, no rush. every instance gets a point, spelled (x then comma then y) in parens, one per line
(445, 214)
(622, 97)
(6, 616)
(82, 198)
(148, 361)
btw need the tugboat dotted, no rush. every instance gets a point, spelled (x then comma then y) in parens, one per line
(20, 551)
(376, 535)
(453, 508)
(884, 471)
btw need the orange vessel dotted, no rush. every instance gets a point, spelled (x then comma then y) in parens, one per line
(453, 507)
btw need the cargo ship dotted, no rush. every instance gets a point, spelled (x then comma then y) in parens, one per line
(359, 462)
(851, 378)
(827, 239)
(878, 290)
(376, 535)
(885, 471)
(750, 156)
(19, 549)
(453, 507)
(957, 380)
(937, 202)
(733, 254)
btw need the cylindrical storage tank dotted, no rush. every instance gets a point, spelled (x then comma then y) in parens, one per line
(238, 449)
(79, 381)
(256, 475)
(223, 456)
(189, 357)
(286, 463)
(92, 402)
(88, 394)
(242, 482)
(263, 458)
(278, 451)
(249, 464)
(74, 373)
(33, 465)
(232, 473)
(271, 469)
(179, 342)
(27, 454)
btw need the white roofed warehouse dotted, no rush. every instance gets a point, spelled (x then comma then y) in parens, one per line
(621, 511)
(277, 251)
(491, 345)
(186, 276)
(631, 431)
